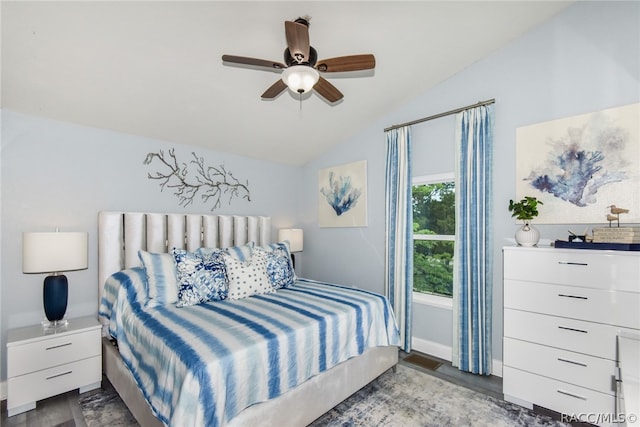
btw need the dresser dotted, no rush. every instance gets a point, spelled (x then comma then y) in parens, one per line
(44, 362)
(564, 310)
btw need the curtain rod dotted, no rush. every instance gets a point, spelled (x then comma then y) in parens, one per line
(437, 116)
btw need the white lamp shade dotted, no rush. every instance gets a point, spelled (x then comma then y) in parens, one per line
(300, 78)
(294, 236)
(53, 252)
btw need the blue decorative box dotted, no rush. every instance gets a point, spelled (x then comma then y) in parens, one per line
(598, 246)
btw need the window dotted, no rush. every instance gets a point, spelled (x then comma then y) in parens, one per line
(433, 234)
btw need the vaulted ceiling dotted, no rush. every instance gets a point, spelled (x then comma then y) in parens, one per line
(154, 68)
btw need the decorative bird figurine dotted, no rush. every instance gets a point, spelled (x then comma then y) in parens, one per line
(615, 214)
(616, 210)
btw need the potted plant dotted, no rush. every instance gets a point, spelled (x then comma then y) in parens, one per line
(526, 210)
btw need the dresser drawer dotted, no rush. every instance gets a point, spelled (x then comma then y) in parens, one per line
(595, 305)
(574, 335)
(33, 356)
(48, 382)
(585, 268)
(574, 368)
(555, 395)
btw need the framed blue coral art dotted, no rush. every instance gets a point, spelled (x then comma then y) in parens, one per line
(342, 195)
(582, 165)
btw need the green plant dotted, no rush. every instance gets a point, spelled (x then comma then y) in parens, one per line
(526, 209)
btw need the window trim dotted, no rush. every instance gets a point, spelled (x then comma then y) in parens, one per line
(436, 178)
(434, 300)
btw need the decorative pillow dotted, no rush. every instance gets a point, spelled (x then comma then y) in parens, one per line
(249, 277)
(279, 266)
(242, 253)
(162, 283)
(201, 278)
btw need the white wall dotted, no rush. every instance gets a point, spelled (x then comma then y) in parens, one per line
(61, 175)
(584, 60)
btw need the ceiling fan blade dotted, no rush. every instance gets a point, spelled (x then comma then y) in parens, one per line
(274, 90)
(347, 63)
(253, 61)
(327, 90)
(297, 40)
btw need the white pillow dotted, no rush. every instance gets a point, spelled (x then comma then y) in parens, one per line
(248, 277)
(162, 282)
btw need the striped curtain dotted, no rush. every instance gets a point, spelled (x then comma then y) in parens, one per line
(473, 275)
(399, 230)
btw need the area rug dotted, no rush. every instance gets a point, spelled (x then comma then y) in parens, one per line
(410, 398)
(105, 408)
(405, 398)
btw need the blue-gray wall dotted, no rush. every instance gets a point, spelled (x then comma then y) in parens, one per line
(585, 59)
(61, 175)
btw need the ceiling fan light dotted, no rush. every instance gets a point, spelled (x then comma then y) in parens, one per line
(300, 78)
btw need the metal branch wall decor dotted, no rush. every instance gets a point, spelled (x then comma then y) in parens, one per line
(212, 183)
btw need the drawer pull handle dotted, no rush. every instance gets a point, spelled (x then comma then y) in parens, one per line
(573, 329)
(584, 264)
(573, 362)
(566, 393)
(573, 296)
(59, 375)
(58, 346)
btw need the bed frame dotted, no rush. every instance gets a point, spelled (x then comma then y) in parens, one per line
(122, 234)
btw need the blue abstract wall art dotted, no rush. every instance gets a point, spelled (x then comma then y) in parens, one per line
(342, 195)
(580, 165)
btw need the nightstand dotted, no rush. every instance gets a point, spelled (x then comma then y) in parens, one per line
(44, 362)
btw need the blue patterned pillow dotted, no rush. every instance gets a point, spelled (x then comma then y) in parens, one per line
(279, 267)
(201, 278)
(249, 277)
(162, 283)
(242, 253)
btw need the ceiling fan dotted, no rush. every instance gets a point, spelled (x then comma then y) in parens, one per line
(301, 70)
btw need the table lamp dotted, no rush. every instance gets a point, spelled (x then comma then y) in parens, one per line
(54, 252)
(295, 238)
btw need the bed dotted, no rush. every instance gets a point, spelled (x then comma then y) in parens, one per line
(293, 354)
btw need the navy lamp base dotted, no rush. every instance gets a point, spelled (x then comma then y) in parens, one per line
(55, 293)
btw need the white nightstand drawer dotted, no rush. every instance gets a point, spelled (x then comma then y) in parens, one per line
(48, 352)
(575, 335)
(575, 368)
(594, 269)
(555, 395)
(48, 382)
(595, 305)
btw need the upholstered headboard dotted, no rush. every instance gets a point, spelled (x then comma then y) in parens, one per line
(122, 234)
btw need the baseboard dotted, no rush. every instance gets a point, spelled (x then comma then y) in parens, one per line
(445, 352)
(432, 348)
(3, 390)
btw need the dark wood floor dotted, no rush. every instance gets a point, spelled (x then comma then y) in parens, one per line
(490, 385)
(64, 410)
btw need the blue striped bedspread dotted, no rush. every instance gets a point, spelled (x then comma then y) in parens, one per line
(202, 365)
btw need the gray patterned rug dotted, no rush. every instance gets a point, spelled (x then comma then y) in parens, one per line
(105, 408)
(410, 398)
(406, 398)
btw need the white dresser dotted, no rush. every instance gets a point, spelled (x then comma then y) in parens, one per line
(563, 312)
(44, 362)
